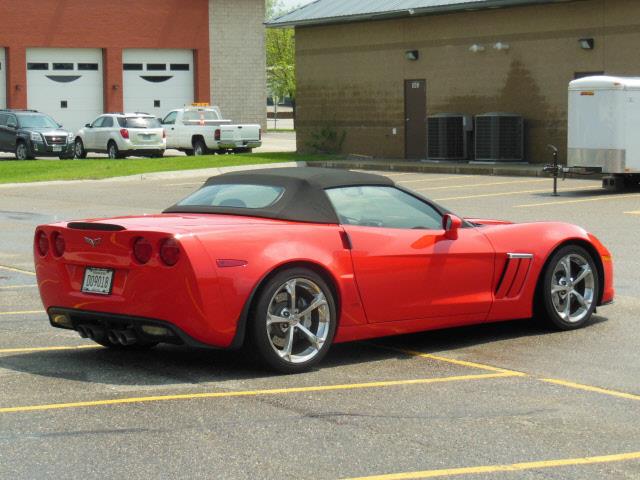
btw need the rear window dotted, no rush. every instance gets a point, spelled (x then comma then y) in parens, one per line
(139, 122)
(234, 196)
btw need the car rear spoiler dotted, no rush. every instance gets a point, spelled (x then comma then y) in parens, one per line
(103, 227)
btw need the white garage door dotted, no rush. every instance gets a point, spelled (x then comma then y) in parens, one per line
(156, 81)
(3, 79)
(65, 83)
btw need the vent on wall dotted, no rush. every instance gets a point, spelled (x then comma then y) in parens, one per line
(499, 137)
(449, 136)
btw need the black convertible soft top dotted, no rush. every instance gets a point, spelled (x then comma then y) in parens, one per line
(303, 200)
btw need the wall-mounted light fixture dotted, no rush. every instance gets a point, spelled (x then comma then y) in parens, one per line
(18, 87)
(476, 47)
(501, 46)
(412, 55)
(115, 86)
(587, 43)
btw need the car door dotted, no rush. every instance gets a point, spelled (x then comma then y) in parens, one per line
(104, 132)
(91, 134)
(4, 132)
(405, 266)
(169, 125)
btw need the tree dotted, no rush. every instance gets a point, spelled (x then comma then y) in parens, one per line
(281, 61)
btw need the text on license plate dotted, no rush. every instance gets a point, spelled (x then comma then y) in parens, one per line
(97, 280)
(57, 148)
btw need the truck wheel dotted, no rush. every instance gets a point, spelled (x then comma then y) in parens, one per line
(112, 150)
(189, 153)
(22, 151)
(199, 148)
(78, 149)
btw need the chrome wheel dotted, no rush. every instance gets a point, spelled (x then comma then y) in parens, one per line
(79, 149)
(298, 320)
(573, 288)
(112, 150)
(21, 151)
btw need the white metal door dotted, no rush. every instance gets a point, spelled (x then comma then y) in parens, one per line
(3, 79)
(157, 81)
(66, 83)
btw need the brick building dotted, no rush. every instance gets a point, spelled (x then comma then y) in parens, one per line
(358, 61)
(76, 59)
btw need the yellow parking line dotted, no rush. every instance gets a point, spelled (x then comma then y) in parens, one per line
(17, 270)
(15, 287)
(454, 361)
(477, 185)
(637, 212)
(514, 467)
(47, 349)
(581, 200)
(24, 312)
(252, 393)
(589, 388)
(503, 194)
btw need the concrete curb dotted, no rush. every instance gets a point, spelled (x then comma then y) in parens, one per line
(529, 170)
(201, 172)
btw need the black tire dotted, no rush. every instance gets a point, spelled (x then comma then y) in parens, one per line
(320, 322)
(199, 147)
(23, 152)
(78, 149)
(552, 306)
(242, 150)
(112, 151)
(189, 153)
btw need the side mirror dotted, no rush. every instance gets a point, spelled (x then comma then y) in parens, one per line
(88, 125)
(451, 224)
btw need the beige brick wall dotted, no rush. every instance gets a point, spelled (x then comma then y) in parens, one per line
(352, 76)
(238, 62)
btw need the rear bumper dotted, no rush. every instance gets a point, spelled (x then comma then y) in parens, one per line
(240, 144)
(108, 321)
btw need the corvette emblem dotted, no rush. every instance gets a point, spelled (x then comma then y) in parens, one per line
(94, 242)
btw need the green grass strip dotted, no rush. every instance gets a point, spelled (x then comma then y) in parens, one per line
(13, 171)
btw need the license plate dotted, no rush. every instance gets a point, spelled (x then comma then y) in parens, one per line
(57, 148)
(97, 280)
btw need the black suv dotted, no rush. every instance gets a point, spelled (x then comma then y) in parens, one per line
(30, 134)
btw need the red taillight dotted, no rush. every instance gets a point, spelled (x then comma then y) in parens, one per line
(217, 134)
(58, 244)
(42, 243)
(170, 251)
(124, 133)
(142, 250)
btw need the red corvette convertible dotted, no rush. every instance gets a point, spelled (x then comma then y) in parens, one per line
(288, 261)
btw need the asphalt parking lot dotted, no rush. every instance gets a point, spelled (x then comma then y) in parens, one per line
(501, 401)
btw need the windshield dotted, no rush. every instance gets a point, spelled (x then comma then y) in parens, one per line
(234, 196)
(37, 121)
(141, 122)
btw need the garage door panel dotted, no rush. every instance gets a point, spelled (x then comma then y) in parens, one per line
(66, 84)
(3, 79)
(156, 81)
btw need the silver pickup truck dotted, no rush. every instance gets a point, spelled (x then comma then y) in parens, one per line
(199, 130)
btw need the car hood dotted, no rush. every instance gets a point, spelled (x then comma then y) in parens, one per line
(56, 132)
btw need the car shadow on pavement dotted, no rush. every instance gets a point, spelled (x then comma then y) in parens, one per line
(170, 365)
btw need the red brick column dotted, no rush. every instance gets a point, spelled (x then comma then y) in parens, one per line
(16, 77)
(112, 65)
(202, 89)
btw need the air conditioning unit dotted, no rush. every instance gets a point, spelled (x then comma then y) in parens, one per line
(449, 136)
(499, 137)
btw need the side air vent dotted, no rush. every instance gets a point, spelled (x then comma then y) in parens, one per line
(514, 275)
(101, 227)
(499, 137)
(449, 136)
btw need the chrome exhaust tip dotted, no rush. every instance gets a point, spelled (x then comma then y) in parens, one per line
(83, 332)
(127, 337)
(113, 337)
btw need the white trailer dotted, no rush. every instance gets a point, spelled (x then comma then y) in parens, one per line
(604, 129)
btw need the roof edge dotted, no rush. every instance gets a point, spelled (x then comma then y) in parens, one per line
(472, 5)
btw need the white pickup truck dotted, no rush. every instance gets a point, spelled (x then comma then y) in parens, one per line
(198, 130)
